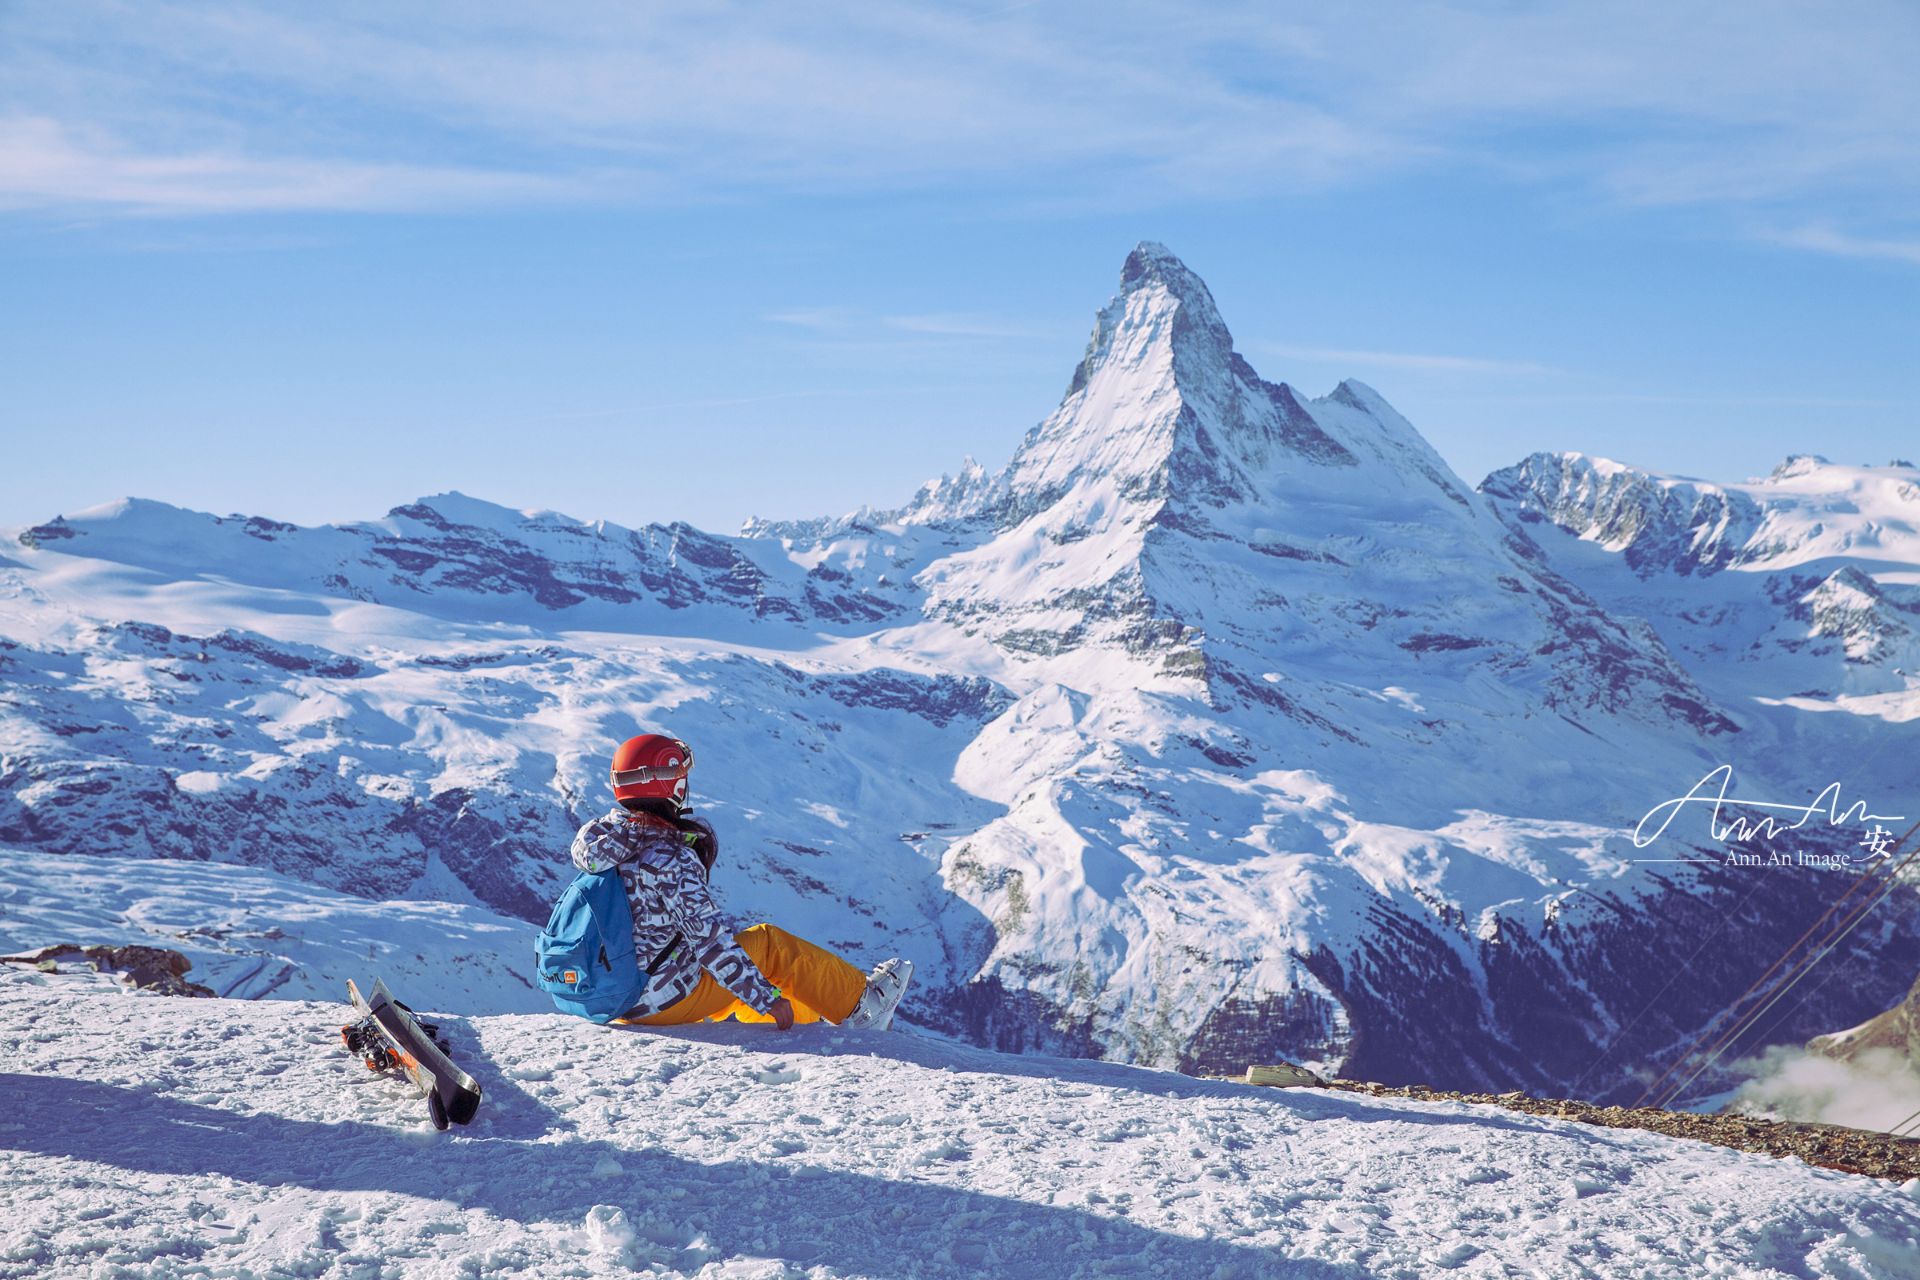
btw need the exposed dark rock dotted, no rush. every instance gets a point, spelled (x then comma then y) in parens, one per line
(407, 558)
(300, 660)
(1013, 1021)
(53, 530)
(264, 529)
(154, 969)
(468, 661)
(1258, 1029)
(1897, 1031)
(939, 700)
(1227, 685)
(487, 851)
(1439, 642)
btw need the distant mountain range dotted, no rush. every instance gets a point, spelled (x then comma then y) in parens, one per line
(1223, 724)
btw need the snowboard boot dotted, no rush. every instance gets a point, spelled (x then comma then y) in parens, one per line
(885, 985)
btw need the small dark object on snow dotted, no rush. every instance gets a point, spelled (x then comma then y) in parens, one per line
(1283, 1075)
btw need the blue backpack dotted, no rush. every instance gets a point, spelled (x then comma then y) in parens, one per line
(584, 958)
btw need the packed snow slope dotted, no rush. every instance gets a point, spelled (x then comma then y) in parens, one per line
(252, 934)
(155, 1137)
(1224, 723)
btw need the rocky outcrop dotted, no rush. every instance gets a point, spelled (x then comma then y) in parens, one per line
(1895, 1031)
(154, 969)
(1660, 525)
(1826, 1146)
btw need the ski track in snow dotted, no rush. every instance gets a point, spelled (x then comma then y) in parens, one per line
(152, 1137)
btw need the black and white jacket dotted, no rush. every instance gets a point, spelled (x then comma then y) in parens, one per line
(667, 888)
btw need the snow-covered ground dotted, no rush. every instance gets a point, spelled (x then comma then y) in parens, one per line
(251, 933)
(151, 1137)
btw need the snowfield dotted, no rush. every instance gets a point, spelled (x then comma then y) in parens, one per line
(143, 1136)
(254, 934)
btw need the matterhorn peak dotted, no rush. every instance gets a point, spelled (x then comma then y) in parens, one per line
(1163, 315)
(1161, 407)
(1152, 265)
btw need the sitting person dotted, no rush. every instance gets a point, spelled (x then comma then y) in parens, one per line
(696, 968)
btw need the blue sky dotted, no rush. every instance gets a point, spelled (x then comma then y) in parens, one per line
(701, 261)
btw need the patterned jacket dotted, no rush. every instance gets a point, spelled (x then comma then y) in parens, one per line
(667, 887)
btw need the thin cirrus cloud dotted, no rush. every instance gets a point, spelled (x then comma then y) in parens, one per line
(1421, 362)
(1826, 240)
(815, 319)
(958, 325)
(46, 164)
(613, 102)
(1809, 114)
(852, 323)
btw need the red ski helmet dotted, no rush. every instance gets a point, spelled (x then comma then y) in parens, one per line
(652, 767)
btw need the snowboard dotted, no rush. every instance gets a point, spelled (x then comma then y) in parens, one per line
(389, 1037)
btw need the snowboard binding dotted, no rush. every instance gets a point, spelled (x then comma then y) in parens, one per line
(365, 1040)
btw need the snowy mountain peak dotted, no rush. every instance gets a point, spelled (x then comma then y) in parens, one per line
(950, 497)
(1163, 320)
(1152, 269)
(1872, 630)
(1161, 408)
(454, 509)
(1798, 464)
(1807, 510)
(1356, 394)
(1150, 257)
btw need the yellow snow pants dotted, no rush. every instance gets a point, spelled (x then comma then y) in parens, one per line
(818, 983)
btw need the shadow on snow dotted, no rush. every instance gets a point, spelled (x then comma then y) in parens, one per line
(857, 1222)
(961, 1058)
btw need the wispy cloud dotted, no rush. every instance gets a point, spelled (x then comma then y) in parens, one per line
(955, 325)
(45, 164)
(1827, 240)
(1704, 401)
(215, 106)
(641, 411)
(817, 319)
(1420, 361)
(848, 326)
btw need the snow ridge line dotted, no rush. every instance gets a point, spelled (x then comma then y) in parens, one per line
(1826, 1146)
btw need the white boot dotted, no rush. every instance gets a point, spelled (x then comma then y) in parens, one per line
(885, 985)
